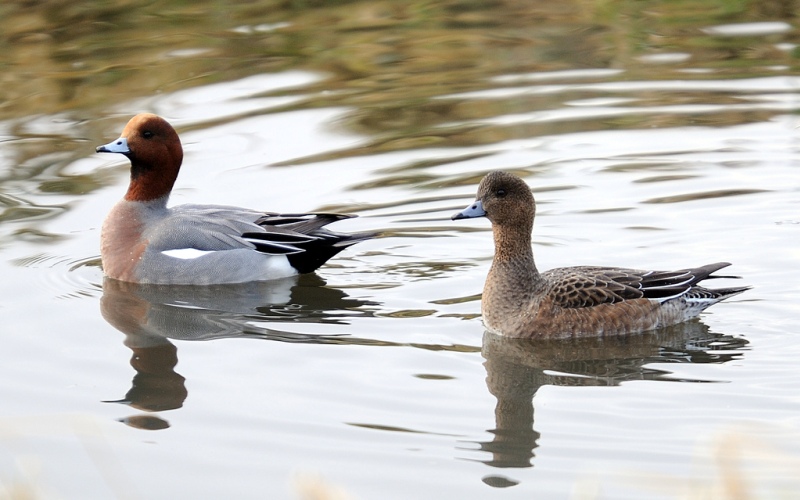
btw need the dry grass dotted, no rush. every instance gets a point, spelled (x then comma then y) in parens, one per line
(314, 487)
(744, 462)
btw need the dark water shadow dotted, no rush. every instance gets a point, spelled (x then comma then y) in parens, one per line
(153, 317)
(516, 369)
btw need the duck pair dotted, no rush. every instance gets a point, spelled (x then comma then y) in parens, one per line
(143, 241)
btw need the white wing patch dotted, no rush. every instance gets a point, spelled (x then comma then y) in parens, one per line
(186, 253)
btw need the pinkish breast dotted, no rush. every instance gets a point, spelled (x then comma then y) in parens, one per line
(121, 241)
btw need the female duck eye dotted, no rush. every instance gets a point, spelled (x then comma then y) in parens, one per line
(147, 134)
(500, 193)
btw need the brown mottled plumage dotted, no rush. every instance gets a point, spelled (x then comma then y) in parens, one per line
(519, 301)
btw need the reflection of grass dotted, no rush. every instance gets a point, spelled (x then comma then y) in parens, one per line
(388, 63)
(388, 59)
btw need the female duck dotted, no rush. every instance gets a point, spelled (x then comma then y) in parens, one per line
(143, 241)
(519, 301)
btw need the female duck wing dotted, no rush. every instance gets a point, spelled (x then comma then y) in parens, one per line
(577, 287)
(592, 286)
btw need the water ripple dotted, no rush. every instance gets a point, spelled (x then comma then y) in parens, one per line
(67, 277)
(703, 195)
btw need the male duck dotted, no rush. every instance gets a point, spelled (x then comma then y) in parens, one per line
(519, 301)
(143, 241)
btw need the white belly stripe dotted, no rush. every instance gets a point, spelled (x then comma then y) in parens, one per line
(186, 253)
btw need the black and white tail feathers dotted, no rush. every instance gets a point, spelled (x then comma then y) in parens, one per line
(303, 238)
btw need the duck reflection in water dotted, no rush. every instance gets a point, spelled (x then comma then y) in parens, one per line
(151, 316)
(517, 368)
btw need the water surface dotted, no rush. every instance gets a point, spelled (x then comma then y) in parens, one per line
(660, 136)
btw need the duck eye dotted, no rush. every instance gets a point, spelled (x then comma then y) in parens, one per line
(500, 193)
(147, 134)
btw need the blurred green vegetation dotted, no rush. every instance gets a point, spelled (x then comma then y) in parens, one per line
(388, 62)
(61, 55)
